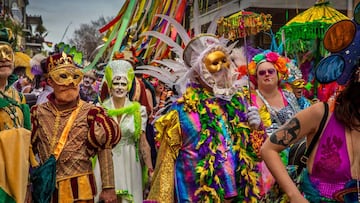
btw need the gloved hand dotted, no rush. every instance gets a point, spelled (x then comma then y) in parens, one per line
(253, 117)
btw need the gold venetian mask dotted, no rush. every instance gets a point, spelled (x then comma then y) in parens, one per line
(66, 76)
(215, 61)
(6, 52)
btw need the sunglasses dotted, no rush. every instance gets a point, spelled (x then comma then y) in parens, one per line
(269, 71)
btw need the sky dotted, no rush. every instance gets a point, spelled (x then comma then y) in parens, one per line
(58, 15)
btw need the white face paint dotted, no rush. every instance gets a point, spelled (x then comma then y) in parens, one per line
(119, 87)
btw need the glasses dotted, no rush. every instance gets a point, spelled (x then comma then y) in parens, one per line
(269, 71)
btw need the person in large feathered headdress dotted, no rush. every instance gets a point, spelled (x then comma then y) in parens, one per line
(131, 117)
(209, 138)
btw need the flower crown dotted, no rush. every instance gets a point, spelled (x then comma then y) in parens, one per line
(279, 62)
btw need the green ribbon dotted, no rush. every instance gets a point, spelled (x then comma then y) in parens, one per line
(124, 25)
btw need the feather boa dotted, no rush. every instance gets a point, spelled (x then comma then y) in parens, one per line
(246, 144)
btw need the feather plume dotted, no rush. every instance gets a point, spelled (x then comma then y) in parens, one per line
(173, 65)
(196, 23)
(179, 28)
(35, 64)
(175, 47)
(108, 76)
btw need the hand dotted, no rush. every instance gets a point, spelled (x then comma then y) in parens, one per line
(150, 174)
(108, 196)
(253, 117)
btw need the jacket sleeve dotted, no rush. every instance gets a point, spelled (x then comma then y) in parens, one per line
(103, 135)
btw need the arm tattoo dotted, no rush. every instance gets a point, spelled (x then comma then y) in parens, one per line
(287, 133)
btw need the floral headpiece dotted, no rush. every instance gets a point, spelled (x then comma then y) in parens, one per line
(272, 57)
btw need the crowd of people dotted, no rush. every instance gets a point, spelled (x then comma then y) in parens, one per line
(128, 133)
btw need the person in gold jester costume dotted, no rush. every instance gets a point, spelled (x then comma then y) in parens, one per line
(71, 131)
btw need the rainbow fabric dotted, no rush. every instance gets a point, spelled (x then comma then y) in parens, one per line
(217, 151)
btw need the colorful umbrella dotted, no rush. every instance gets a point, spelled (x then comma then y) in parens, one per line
(300, 32)
(243, 23)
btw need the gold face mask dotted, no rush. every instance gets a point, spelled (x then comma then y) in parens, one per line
(298, 84)
(66, 76)
(6, 52)
(215, 61)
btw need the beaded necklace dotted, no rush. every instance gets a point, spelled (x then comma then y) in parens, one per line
(9, 106)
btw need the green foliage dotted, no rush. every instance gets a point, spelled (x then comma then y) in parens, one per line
(77, 55)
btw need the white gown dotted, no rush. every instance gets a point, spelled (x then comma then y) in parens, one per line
(127, 167)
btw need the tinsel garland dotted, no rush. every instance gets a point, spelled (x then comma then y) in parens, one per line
(246, 146)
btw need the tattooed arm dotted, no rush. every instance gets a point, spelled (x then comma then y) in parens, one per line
(287, 133)
(305, 123)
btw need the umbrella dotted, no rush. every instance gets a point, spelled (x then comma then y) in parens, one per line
(309, 25)
(243, 23)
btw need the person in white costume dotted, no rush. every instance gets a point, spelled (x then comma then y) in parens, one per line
(133, 148)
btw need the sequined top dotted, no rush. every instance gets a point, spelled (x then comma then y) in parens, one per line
(92, 132)
(303, 102)
(331, 167)
(279, 116)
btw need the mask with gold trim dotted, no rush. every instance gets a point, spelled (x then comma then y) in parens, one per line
(66, 76)
(62, 70)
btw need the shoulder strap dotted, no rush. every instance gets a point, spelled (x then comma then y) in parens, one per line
(305, 157)
(65, 133)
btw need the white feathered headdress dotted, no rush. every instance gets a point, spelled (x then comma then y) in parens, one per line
(188, 63)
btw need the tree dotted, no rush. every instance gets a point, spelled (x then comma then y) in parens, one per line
(87, 37)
